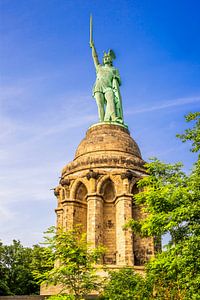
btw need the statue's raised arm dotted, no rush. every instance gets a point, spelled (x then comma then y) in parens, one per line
(94, 52)
(106, 88)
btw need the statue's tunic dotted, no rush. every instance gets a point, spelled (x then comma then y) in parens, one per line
(104, 79)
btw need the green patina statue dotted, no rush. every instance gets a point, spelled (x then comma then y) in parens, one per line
(106, 88)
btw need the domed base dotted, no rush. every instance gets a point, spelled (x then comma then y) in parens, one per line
(109, 123)
(96, 190)
(106, 145)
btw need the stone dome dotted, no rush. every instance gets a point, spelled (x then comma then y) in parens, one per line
(107, 138)
(106, 145)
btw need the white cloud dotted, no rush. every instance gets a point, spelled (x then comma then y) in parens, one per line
(19, 183)
(6, 214)
(165, 105)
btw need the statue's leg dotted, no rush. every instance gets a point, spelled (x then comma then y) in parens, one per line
(110, 114)
(100, 104)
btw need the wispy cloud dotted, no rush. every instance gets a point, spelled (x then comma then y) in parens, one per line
(27, 182)
(18, 90)
(10, 91)
(6, 214)
(165, 105)
(29, 154)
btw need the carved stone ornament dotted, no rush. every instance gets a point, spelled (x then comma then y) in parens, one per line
(56, 191)
(127, 175)
(64, 181)
(92, 174)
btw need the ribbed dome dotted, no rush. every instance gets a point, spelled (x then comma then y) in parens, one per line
(106, 146)
(109, 138)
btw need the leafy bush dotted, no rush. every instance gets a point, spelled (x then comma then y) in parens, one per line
(126, 285)
(61, 297)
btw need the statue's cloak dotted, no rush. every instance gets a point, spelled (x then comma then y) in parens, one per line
(118, 99)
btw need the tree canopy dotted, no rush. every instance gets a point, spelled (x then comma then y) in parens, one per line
(72, 262)
(171, 199)
(16, 276)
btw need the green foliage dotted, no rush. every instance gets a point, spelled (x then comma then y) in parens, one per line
(73, 262)
(15, 270)
(126, 284)
(176, 271)
(192, 134)
(172, 200)
(61, 297)
(42, 260)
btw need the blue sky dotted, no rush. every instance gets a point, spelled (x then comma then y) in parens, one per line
(46, 79)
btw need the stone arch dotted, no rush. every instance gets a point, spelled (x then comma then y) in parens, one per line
(108, 190)
(109, 220)
(76, 185)
(133, 184)
(102, 181)
(134, 189)
(81, 192)
(79, 195)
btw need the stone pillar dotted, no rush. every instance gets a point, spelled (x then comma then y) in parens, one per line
(68, 214)
(124, 239)
(59, 213)
(94, 219)
(59, 209)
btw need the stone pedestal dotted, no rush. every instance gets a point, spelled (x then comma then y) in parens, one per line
(96, 190)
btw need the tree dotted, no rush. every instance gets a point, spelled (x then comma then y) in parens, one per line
(172, 200)
(41, 260)
(61, 297)
(192, 134)
(126, 285)
(15, 270)
(73, 262)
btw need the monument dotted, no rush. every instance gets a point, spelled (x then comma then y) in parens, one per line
(97, 188)
(106, 88)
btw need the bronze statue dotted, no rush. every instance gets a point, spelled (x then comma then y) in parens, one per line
(106, 88)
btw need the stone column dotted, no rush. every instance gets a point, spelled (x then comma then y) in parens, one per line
(94, 219)
(59, 213)
(68, 214)
(124, 238)
(59, 209)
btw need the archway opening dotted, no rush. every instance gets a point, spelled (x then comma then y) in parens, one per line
(80, 209)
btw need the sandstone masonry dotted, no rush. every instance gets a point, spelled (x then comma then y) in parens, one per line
(96, 190)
